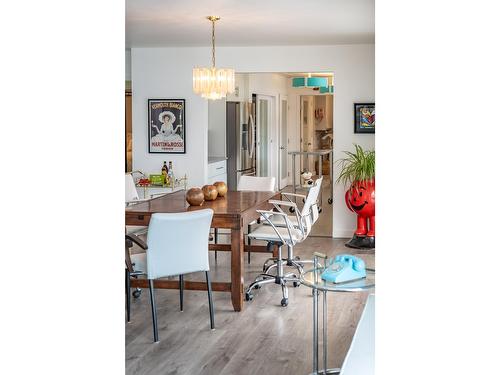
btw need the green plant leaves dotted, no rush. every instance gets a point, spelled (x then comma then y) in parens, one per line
(356, 166)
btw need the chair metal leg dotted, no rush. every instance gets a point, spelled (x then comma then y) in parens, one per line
(216, 233)
(284, 290)
(181, 291)
(210, 301)
(127, 290)
(153, 310)
(259, 281)
(270, 267)
(249, 253)
(298, 265)
(264, 267)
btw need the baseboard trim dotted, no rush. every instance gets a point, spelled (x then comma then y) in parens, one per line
(343, 233)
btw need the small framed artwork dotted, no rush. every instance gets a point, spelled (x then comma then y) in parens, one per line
(364, 117)
(167, 126)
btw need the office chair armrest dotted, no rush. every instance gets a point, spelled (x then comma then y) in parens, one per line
(267, 214)
(294, 195)
(298, 214)
(136, 240)
(140, 232)
(283, 203)
(270, 213)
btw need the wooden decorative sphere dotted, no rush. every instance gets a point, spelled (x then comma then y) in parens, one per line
(194, 196)
(221, 188)
(209, 192)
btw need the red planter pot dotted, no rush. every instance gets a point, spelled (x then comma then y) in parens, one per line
(360, 199)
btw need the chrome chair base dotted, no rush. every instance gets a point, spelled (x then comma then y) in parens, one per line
(265, 278)
(328, 371)
(290, 261)
(280, 278)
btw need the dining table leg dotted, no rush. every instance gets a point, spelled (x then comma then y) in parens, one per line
(237, 263)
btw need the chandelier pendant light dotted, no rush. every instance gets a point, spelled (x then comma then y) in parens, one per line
(213, 83)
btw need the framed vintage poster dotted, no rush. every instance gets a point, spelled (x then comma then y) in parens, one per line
(364, 117)
(167, 126)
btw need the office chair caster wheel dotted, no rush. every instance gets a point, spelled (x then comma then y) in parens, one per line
(330, 200)
(257, 286)
(284, 302)
(248, 296)
(297, 257)
(292, 210)
(137, 293)
(296, 284)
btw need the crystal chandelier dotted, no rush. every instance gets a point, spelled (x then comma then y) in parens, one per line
(213, 83)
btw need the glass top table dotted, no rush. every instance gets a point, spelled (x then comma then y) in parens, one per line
(312, 279)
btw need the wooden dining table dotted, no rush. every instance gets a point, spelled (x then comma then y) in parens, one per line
(234, 211)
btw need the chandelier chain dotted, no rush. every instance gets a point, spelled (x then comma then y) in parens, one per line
(213, 43)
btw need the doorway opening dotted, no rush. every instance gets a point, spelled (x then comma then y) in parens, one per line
(274, 112)
(316, 135)
(128, 130)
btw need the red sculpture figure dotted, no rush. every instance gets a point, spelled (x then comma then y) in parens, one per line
(360, 199)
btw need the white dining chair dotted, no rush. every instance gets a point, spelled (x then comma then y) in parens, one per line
(132, 197)
(251, 183)
(177, 244)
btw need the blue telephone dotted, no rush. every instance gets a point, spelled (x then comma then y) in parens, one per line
(344, 268)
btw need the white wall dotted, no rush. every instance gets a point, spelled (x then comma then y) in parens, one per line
(241, 89)
(166, 73)
(217, 127)
(128, 65)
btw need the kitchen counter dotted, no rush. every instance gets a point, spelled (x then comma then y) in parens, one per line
(216, 159)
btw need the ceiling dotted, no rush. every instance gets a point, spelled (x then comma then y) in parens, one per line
(163, 23)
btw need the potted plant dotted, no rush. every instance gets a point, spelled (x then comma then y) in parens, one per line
(357, 173)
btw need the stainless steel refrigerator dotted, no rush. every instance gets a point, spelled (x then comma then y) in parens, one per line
(240, 141)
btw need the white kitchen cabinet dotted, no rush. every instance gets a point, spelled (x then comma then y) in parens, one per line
(217, 170)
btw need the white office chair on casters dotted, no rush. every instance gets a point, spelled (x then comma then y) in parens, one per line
(252, 183)
(287, 234)
(177, 244)
(308, 216)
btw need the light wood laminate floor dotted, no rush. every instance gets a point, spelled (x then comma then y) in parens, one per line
(265, 338)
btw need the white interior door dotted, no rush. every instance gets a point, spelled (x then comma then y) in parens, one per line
(264, 132)
(283, 142)
(307, 130)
